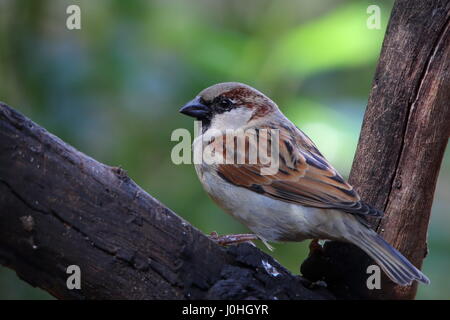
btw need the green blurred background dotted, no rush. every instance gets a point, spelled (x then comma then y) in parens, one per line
(113, 90)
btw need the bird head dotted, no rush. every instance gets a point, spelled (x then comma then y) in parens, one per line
(229, 105)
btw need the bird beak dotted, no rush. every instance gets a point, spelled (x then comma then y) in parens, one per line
(196, 109)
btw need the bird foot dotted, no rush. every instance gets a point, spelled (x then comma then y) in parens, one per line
(230, 239)
(315, 246)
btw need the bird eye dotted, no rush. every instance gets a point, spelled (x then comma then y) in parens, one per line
(225, 103)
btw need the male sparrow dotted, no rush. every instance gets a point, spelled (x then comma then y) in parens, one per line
(306, 198)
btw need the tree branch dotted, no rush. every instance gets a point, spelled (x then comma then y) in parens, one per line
(404, 135)
(59, 207)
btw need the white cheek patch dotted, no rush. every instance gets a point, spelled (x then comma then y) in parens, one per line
(234, 119)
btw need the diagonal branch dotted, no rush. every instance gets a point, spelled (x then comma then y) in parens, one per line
(59, 207)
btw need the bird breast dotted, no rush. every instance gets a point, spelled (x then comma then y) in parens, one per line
(271, 219)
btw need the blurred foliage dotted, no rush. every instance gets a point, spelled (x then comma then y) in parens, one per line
(113, 89)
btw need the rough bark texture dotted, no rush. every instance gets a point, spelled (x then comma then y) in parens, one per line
(404, 135)
(58, 207)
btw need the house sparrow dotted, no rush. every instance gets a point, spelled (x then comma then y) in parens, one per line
(305, 198)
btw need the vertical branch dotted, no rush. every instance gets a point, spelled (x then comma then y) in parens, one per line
(404, 134)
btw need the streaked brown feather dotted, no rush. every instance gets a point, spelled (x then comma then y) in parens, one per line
(304, 177)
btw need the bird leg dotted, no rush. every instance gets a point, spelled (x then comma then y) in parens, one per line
(232, 238)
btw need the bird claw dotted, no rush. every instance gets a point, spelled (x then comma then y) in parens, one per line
(230, 239)
(315, 246)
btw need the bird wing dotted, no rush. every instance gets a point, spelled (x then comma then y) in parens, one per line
(304, 176)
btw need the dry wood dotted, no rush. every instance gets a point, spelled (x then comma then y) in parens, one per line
(403, 138)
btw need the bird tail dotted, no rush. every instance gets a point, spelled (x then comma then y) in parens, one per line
(392, 262)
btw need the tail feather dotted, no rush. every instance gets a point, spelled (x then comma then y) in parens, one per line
(392, 262)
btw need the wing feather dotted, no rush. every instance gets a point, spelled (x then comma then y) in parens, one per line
(304, 177)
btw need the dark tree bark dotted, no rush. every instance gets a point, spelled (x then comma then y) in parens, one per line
(404, 135)
(58, 207)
